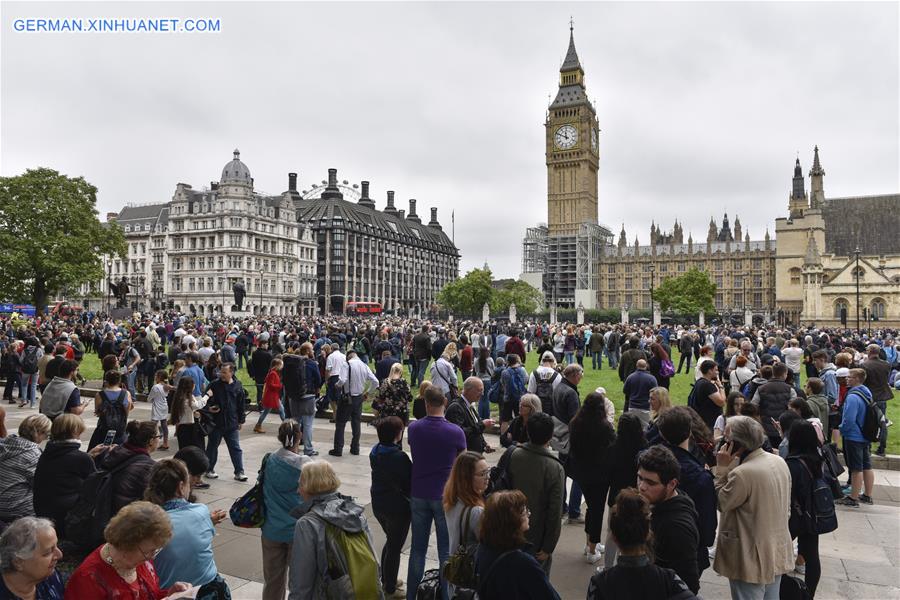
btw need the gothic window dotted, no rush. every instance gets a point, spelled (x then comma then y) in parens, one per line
(877, 308)
(840, 307)
(859, 273)
(795, 276)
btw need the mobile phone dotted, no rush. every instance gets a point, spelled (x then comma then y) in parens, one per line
(110, 437)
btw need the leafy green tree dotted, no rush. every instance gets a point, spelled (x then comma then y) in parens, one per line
(686, 294)
(526, 297)
(468, 294)
(50, 236)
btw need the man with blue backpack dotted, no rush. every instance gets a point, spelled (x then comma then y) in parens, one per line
(513, 380)
(859, 428)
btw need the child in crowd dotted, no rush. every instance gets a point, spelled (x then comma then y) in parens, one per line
(159, 405)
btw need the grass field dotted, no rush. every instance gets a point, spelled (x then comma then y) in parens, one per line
(605, 377)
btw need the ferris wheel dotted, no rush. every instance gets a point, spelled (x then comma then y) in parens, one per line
(350, 191)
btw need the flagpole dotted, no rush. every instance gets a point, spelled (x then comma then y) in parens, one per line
(453, 225)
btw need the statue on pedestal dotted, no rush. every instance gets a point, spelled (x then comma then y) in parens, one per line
(239, 292)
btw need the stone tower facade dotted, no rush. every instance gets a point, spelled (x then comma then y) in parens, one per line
(572, 151)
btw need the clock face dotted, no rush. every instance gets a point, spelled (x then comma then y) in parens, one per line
(594, 140)
(566, 137)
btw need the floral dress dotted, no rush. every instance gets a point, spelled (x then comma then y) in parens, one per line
(393, 399)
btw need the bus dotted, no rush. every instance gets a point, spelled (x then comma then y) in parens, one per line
(363, 308)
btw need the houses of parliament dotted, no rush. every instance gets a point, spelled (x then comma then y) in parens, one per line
(831, 259)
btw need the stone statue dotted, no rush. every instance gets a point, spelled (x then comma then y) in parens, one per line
(239, 292)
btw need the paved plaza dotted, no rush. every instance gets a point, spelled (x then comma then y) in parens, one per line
(860, 561)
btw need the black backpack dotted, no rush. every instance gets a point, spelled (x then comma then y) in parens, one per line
(822, 505)
(30, 360)
(86, 521)
(544, 388)
(872, 421)
(114, 413)
(500, 477)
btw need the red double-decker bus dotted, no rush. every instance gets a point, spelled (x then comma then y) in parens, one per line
(363, 308)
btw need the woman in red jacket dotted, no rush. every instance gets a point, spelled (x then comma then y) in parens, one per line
(123, 566)
(271, 398)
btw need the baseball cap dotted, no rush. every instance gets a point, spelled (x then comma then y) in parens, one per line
(842, 372)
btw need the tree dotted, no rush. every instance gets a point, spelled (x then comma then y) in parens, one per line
(526, 297)
(689, 293)
(50, 236)
(468, 294)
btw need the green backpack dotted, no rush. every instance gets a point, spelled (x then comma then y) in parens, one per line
(352, 571)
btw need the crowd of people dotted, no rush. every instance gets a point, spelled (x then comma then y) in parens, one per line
(741, 475)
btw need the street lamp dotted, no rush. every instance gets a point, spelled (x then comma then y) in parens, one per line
(652, 269)
(856, 275)
(108, 287)
(260, 292)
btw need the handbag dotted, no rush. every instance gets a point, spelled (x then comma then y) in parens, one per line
(250, 510)
(430, 586)
(460, 567)
(834, 466)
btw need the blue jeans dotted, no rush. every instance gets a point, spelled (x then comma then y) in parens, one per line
(613, 358)
(132, 379)
(265, 413)
(597, 360)
(421, 367)
(742, 590)
(306, 425)
(569, 357)
(573, 507)
(28, 388)
(484, 405)
(241, 359)
(233, 441)
(423, 512)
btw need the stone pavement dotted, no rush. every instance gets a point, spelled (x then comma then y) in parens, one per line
(860, 561)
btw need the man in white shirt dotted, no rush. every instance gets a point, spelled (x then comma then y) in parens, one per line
(793, 358)
(335, 364)
(356, 379)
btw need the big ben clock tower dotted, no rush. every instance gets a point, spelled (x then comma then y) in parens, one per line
(571, 151)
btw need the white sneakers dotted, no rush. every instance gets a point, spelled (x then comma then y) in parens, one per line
(594, 557)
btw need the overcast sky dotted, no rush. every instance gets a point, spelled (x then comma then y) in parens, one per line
(702, 106)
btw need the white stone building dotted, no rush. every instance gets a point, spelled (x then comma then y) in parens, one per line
(188, 253)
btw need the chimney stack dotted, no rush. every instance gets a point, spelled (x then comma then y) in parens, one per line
(364, 200)
(434, 220)
(390, 208)
(292, 182)
(111, 216)
(412, 216)
(332, 190)
(402, 213)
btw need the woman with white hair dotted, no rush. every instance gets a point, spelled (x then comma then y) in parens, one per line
(754, 493)
(19, 455)
(28, 557)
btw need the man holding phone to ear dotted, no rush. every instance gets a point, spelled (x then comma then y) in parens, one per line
(754, 492)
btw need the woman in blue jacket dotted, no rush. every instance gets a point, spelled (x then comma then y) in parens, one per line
(391, 480)
(188, 556)
(281, 474)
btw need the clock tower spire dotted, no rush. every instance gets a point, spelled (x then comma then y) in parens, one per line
(571, 150)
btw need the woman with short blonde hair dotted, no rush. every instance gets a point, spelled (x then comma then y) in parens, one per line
(322, 510)
(67, 426)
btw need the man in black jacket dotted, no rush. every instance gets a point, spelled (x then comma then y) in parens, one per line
(628, 362)
(258, 368)
(674, 518)
(463, 411)
(421, 350)
(226, 403)
(773, 398)
(878, 372)
(695, 480)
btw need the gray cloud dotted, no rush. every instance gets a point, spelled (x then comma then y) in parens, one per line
(702, 106)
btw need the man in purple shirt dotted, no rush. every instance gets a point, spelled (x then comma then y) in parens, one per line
(435, 443)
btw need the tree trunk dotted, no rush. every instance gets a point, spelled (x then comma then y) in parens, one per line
(39, 297)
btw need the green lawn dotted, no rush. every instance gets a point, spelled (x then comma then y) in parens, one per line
(605, 377)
